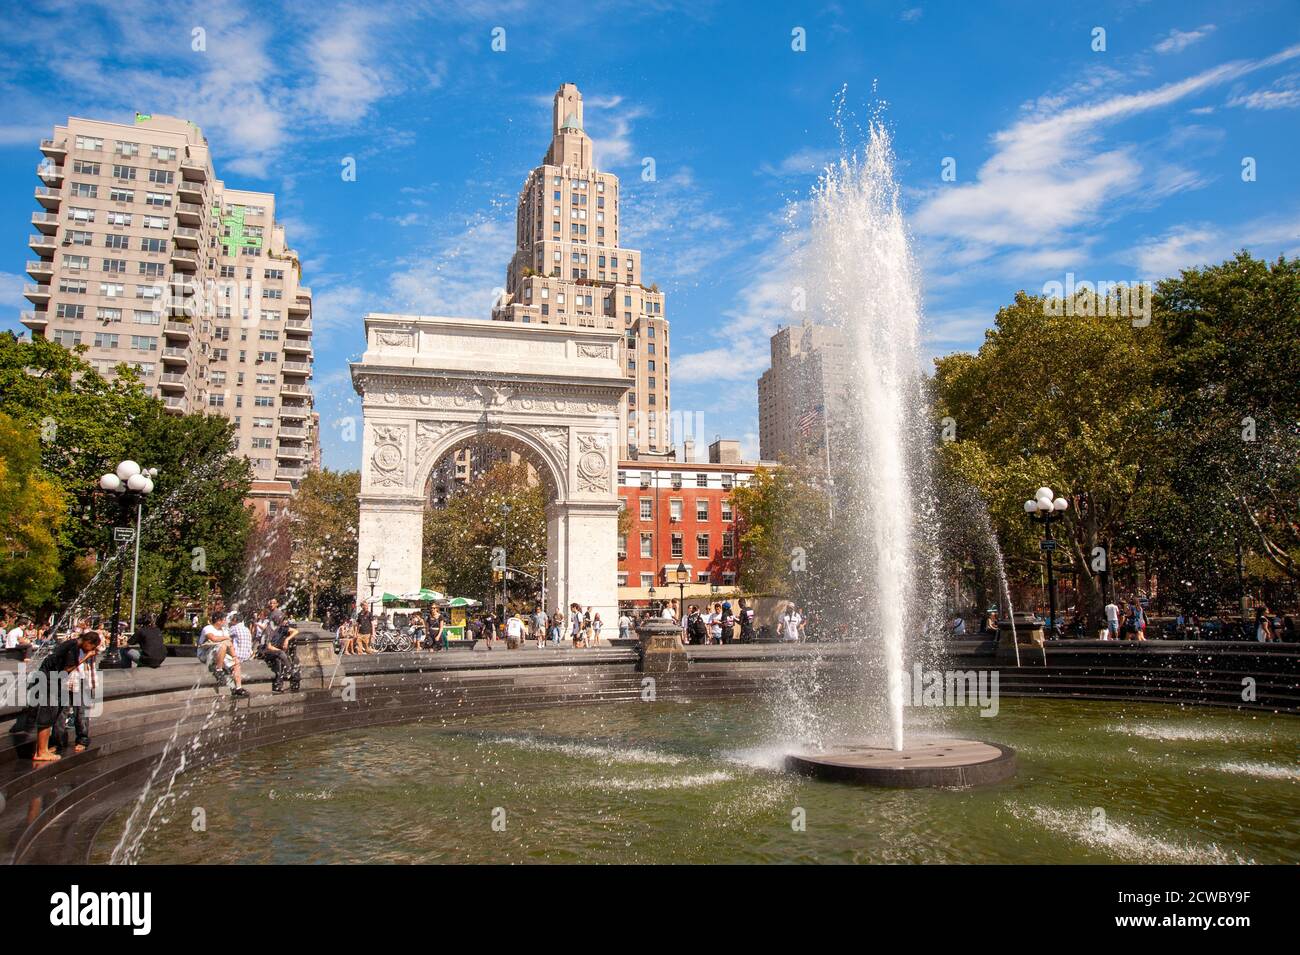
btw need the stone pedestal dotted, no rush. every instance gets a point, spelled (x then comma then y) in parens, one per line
(661, 646)
(317, 661)
(1028, 634)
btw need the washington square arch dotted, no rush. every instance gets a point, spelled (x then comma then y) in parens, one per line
(551, 394)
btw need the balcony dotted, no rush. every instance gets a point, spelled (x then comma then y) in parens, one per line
(190, 213)
(50, 173)
(184, 261)
(296, 367)
(49, 198)
(41, 244)
(55, 150)
(179, 329)
(193, 170)
(47, 222)
(298, 324)
(172, 380)
(291, 433)
(174, 403)
(300, 346)
(186, 238)
(37, 294)
(188, 191)
(295, 412)
(293, 452)
(176, 355)
(290, 474)
(41, 269)
(34, 320)
(300, 306)
(292, 389)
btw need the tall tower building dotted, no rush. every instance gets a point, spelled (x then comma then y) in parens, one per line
(569, 269)
(804, 391)
(148, 259)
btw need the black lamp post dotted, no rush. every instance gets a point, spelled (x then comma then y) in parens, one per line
(372, 575)
(1046, 509)
(682, 574)
(130, 484)
(652, 598)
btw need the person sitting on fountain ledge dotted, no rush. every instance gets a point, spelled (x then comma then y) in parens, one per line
(217, 650)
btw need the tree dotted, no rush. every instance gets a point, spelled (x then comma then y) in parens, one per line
(501, 508)
(1061, 396)
(196, 522)
(1233, 429)
(322, 527)
(781, 518)
(32, 512)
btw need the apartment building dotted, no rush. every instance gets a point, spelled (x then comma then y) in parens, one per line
(804, 392)
(570, 269)
(148, 259)
(680, 513)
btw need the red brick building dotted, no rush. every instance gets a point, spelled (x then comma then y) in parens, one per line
(680, 512)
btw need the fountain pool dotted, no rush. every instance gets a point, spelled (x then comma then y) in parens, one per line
(688, 782)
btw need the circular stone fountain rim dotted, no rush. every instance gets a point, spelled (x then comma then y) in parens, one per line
(994, 763)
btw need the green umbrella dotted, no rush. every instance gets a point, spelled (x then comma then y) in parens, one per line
(422, 596)
(463, 602)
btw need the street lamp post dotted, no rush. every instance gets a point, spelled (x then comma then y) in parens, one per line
(1046, 509)
(682, 574)
(372, 575)
(652, 598)
(131, 484)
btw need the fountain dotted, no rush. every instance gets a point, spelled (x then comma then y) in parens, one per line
(860, 276)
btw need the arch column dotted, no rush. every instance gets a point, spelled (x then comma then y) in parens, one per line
(391, 531)
(582, 556)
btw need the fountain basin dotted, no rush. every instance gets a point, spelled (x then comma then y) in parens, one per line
(920, 764)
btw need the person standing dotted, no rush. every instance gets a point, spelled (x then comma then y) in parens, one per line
(365, 628)
(624, 626)
(791, 621)
(46, 708)
(746, 621)
(539, 626)
(575, 624)
(1112, 621)
(1263, 625)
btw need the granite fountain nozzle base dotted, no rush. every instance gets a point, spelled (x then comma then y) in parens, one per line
(919, 764)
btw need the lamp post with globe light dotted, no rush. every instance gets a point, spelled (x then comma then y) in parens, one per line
(1046, 508)
(130, 484)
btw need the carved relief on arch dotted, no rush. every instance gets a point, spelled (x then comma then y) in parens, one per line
(593, 462)
(429, 434)
(388, 455)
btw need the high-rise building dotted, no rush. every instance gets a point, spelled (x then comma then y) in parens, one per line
(569, 269)
(804, 393)
(148, 259)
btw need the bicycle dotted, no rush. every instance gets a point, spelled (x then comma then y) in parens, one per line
(389, 639)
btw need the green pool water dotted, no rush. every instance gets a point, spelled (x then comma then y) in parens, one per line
(694, 782)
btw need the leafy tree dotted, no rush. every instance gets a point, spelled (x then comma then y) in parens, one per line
(322, 527)
(782, 531)
(196, 523)
(502, 508)
(1061, 396)
(32, 511)
(1233, 429)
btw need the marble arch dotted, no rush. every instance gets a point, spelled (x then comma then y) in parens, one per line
(429, 384)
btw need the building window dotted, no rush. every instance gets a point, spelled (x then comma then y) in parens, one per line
(677, 545)
(645, 508)
(675, 510)
(701, 508)
(726, 511)
(701, 545)
(647, 581)
(728, 546)
(647, 546)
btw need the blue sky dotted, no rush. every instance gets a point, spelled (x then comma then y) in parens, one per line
(1114, 165)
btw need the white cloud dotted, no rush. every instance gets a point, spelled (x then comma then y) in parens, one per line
(911, 15)
(1048, 175)
(1283, 93)
(1192, 245)
(804, 162)
(1178, 40)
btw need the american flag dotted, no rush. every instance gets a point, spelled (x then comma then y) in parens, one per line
(808, 420)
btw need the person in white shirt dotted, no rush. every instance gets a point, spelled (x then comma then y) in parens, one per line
(1112, 621)
(668, 613)
(13, 638)
(791, 620)
(215, 644)
(514, 631)
(959, 627)
(624, 626)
